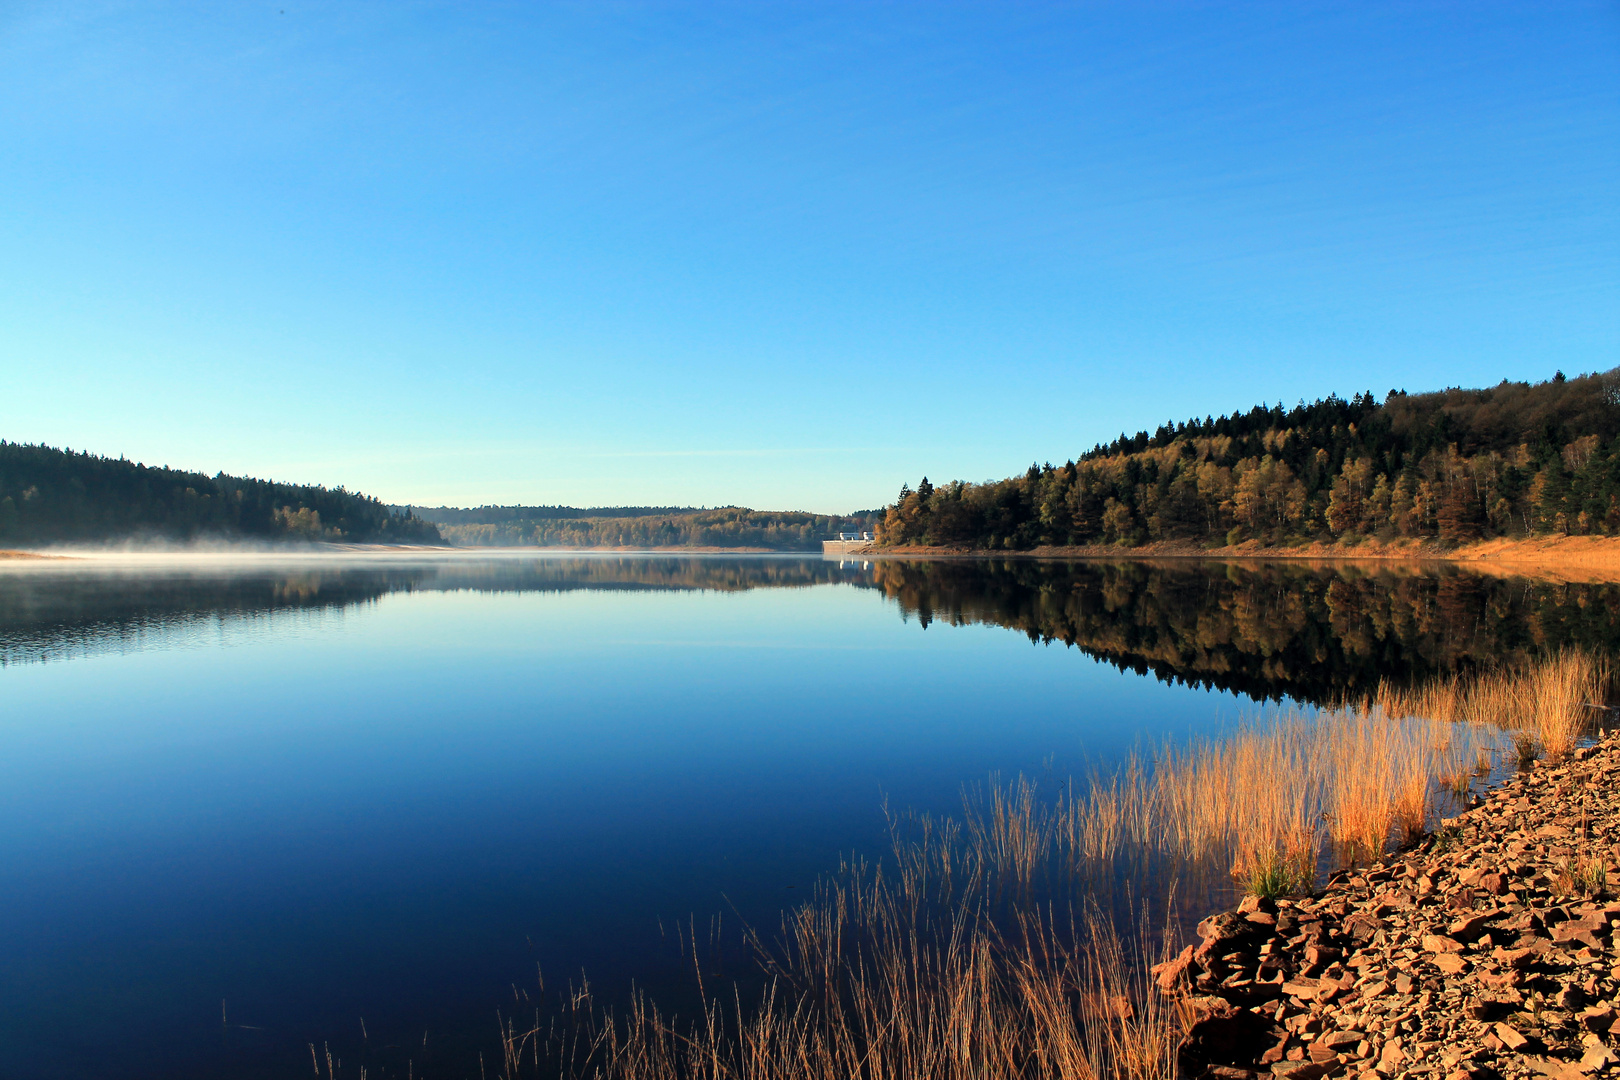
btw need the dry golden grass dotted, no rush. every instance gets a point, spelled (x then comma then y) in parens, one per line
(1281, 796)
(1549, 702)
(981, 949)
(946, 966)
(1272, 800)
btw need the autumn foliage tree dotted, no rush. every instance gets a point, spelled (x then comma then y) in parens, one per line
(1456, 465)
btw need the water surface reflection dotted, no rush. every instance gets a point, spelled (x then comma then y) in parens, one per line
(390, 788)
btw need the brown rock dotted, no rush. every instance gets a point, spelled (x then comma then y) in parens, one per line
(1301, 1070)
(1220, 933)
(1511, 1037)
(1558, 1070)
(1437, 943)
(1598, 1057)
(1514, 958)
(1524, 921)
(1393, 1057)
(1451, 963)
(1572, 934)
(1596, 922)
(1599, 1019)
(1276, 1053)
(1495, 884)
(1172, 973)
(1304, 989)
(1470, 927)
(1321, 954)
(1223, 1035)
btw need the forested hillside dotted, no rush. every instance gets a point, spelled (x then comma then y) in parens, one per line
(645, 527)
(52, 496)
(1455, 465)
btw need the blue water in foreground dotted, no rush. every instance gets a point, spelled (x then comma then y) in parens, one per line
(395, 810)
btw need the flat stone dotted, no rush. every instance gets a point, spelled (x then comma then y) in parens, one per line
(1515, 958)
(1599, 1019)
(1598, 1057)
(1558, 1070)
(1451, 963)
(1470, 927)
(1298, 1070)
(1338, 1040)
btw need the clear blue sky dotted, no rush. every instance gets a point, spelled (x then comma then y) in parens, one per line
(777, 254)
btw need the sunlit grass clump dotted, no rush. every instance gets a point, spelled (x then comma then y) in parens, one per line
(1549, 703)
(1275, 797)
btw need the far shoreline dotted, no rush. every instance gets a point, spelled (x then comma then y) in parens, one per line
(1561, 554)
(1569, 558)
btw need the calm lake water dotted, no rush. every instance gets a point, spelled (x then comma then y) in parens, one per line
(248, 805)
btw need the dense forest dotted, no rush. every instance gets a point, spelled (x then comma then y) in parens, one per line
(643, 527)
(56, 496)
(1455, 465)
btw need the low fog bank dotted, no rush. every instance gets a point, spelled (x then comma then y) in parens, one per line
(216, 552)
(210, 548)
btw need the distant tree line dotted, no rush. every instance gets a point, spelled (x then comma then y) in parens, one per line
(726, 527)
(1458, 465)
(514, 515)
(49, 496)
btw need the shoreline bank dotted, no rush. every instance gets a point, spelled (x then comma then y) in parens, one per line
(1564, 554)
(1485, 951)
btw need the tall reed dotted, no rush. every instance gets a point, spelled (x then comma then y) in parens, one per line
(1550, 701)
(1274, 797)
(959, 961)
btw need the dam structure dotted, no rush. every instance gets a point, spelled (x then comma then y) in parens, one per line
(847, 543)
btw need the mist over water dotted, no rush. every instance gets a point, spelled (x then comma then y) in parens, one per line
(327, 787)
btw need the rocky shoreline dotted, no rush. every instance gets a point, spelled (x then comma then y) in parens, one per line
(1485, 950)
